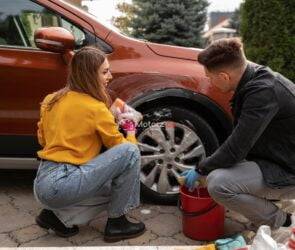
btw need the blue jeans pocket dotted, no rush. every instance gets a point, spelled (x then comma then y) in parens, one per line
(60, 173)
(49, 181)
(45, 191)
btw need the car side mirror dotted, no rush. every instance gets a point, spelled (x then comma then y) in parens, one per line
(55, 39)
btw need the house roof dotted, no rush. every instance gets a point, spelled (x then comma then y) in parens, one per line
(220, 27)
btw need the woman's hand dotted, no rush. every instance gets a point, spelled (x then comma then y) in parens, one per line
(128, 126)
(131, 116)
(130, 113)
(116, 112)
(126, 113)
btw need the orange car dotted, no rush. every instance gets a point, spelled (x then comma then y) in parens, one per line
(185, 118)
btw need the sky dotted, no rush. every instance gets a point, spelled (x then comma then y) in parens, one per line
(223, 5)
(105, 9)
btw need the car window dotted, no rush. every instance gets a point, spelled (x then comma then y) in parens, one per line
(20, 18)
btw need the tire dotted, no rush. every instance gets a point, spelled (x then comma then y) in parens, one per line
(180, 118)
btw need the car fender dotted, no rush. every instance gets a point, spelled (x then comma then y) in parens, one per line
(196, 102)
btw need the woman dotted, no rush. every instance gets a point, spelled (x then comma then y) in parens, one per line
(74, 181)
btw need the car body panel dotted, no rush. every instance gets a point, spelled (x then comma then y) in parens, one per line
(179, 52)
(27, 76)
(139, 69)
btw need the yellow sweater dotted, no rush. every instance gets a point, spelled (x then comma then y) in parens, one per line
(76, 127)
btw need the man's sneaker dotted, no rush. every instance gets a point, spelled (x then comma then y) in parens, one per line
(121, 228)
(48, 220)
(292, 221)
(283, 232)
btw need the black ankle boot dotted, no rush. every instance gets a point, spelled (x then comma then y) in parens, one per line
(48, 220)
(120, 229)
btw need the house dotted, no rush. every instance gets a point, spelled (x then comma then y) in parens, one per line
(219, 27)
(219, 31)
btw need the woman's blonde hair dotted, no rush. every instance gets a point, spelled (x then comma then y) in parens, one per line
(83, 76)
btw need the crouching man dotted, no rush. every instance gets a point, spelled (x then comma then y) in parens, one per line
(256, 163)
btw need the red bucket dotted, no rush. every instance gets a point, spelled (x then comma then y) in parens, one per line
(202, 217)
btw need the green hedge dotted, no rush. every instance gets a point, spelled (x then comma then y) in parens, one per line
(268, 33)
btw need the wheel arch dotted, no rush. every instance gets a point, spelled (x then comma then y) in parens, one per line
(198, 103)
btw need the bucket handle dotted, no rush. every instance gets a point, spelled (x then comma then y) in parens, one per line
(195, 214)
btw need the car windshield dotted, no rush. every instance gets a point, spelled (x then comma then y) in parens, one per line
(82, 5)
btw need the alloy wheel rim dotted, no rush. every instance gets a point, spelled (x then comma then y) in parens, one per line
(167, 149)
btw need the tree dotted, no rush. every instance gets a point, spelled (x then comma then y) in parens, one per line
(124, 21)
(268, 32)
(177, 22)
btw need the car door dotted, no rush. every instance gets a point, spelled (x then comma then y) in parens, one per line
(27, 74)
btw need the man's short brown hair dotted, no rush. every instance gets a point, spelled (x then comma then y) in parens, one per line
(223, 53)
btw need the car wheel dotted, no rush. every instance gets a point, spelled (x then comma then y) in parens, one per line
(171, 140)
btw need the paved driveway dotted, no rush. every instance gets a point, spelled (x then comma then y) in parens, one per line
(18, 210)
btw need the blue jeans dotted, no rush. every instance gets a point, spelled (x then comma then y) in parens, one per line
(76, 194)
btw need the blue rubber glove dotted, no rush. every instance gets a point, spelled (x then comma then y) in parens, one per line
(191, 176)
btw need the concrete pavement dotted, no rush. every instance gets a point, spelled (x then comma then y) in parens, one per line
(164, 228)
